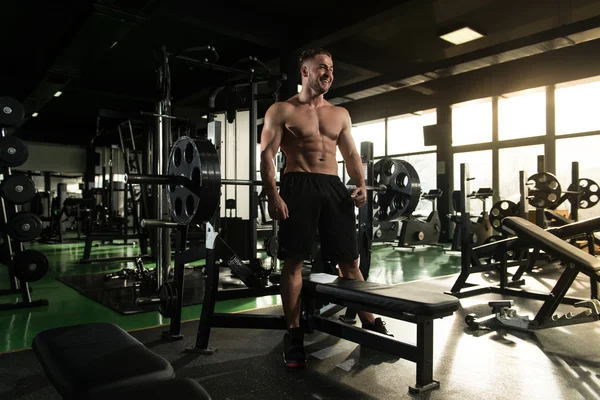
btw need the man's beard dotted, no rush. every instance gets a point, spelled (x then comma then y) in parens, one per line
(317, 88)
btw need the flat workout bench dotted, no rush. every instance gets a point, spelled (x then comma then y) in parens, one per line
(395, 301)
(101, 360)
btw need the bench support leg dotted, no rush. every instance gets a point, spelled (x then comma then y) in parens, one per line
(424, 361)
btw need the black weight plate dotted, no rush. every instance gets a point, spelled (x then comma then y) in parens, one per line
(11, 112)
(590, 193)
(403, 189)
(271, 246)
(198, 160)
(17, 189)
(501, 210)
(544, 190)
(166, 294)
(13, 151)
(24, 226)
(30, 265)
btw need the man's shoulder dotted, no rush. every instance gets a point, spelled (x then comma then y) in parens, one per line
(341, 111)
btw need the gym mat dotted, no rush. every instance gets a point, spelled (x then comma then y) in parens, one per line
(124, 297)
(558, 363)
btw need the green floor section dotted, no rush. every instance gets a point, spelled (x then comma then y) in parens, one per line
(67, 306)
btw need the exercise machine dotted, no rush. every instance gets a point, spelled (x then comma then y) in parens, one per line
(422, 232)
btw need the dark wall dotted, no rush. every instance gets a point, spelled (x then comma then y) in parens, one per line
(553, 67)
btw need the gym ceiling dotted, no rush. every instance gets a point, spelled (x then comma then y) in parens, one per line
(389, 58)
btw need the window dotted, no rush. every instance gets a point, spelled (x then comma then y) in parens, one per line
(472, 122)
(405, 132)
(511, 161)
(480, 168)
(370, 132)
(425, 165)
(522, 114)
(577, 106)
(585, 151)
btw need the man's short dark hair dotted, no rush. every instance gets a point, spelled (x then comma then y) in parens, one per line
(311, 53)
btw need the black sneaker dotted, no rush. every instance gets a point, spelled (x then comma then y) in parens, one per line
(377, 326)
(293, 349)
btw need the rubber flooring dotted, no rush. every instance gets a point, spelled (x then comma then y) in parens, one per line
(503, 363)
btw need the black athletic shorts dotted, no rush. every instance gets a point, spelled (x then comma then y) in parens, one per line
(317, 203)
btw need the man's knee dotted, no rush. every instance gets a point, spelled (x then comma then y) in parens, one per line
(292, 266)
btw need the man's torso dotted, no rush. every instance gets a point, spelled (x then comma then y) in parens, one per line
(310, 137)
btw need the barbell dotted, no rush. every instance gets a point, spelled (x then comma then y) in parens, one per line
(193, 182)
(545, 192)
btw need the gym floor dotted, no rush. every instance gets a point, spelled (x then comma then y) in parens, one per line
(557, 363)
(67, 306)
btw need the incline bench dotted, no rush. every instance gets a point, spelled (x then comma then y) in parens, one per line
(576, 261)
(102, 361)
(402, 302)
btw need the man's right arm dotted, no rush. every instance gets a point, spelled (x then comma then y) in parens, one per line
(270, 140)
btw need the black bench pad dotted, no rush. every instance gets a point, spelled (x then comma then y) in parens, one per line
(552, 244)
(392, 298)
(179, 388)
(95, 358)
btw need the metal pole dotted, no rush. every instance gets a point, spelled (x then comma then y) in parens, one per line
(252, 170)
(165, 232)
(157, 194)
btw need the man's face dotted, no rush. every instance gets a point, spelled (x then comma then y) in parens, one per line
(320, 73)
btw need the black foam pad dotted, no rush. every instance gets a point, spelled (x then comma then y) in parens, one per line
(553, 245)
(96, 358)
(179, 388)
(392, 298)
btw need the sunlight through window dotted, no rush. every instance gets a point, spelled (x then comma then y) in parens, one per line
(472, 122)
(480, 167)
(585, 151)
(522, 114)
(511, 161)
(405, 132)
(577, 106)
(371, 132)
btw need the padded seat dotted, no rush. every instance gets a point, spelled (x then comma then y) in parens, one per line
(96, 358)
(392, 298)
(179, 388)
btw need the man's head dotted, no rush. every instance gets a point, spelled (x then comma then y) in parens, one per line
(316, 69)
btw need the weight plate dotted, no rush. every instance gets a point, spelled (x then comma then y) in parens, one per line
(17, 189)
(11, 112)
(544, 190)
(501, 210)
(168, 300)
(271, 246)
(590, 193)
(198, 160)
(13, 151)
(403, 189)
(30, 265)
(24, 226)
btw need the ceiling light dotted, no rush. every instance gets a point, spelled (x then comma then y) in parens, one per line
(462, 35)
(34, 114)
(57, 93)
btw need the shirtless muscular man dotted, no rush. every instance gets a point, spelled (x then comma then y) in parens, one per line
(312, 198)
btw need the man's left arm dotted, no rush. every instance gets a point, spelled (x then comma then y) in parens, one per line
(352, 158)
